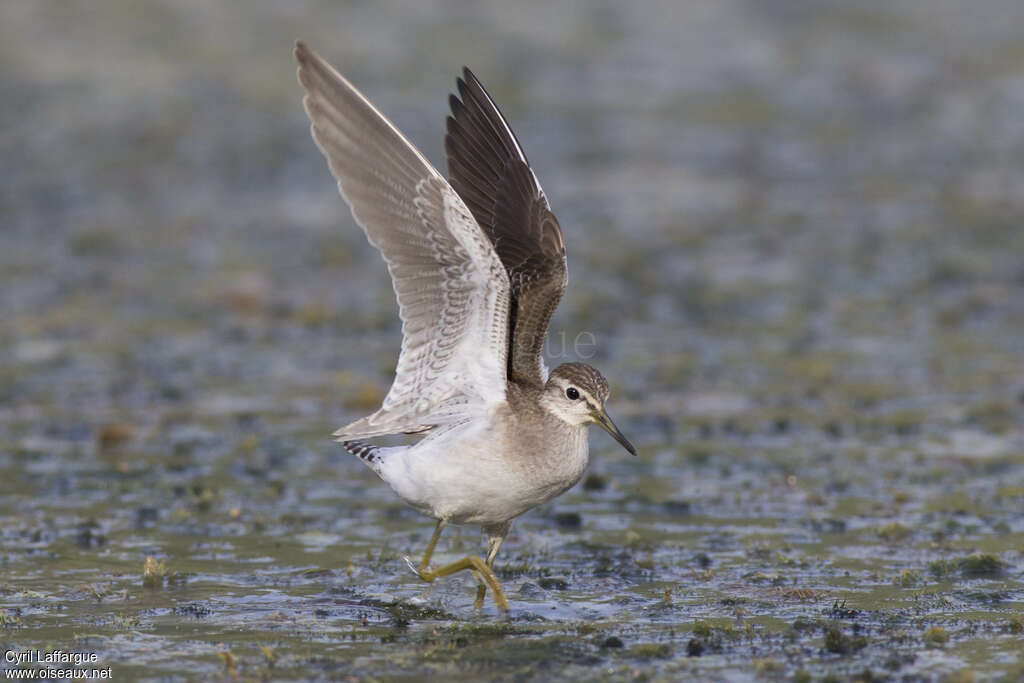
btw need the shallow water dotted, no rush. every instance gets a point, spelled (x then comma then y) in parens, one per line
(794, 237)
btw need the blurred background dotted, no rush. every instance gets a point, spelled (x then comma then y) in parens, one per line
(794, 234)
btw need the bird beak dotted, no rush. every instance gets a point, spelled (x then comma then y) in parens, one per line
(606, 423)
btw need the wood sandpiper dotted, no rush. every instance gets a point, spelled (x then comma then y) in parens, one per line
(478, 267)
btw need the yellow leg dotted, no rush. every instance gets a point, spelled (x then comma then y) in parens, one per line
(430, 546)
(473, 563)
(495, 535)
(481, 591)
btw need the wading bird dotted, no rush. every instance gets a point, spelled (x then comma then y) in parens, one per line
(478, 267)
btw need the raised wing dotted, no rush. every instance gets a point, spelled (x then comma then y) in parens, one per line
(453, 293)
(489, 170)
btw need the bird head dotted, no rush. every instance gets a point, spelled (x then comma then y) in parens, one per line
(575, 393)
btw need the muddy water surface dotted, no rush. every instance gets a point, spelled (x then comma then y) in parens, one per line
(795, 240)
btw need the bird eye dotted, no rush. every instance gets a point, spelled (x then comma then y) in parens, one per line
(572, 393)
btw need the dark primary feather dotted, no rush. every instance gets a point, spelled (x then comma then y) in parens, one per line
(489, 170)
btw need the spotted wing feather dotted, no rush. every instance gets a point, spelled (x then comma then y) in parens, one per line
(452, 290)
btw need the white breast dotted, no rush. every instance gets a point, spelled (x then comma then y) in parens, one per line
(470, 475)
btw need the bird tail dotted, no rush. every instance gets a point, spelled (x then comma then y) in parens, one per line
(366, 452)
(371, 455)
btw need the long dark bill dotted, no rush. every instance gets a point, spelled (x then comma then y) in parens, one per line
(606, 423)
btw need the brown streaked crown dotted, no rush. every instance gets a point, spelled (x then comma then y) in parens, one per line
(585, 377)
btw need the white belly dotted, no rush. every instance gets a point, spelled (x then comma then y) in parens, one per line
(469, 476)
